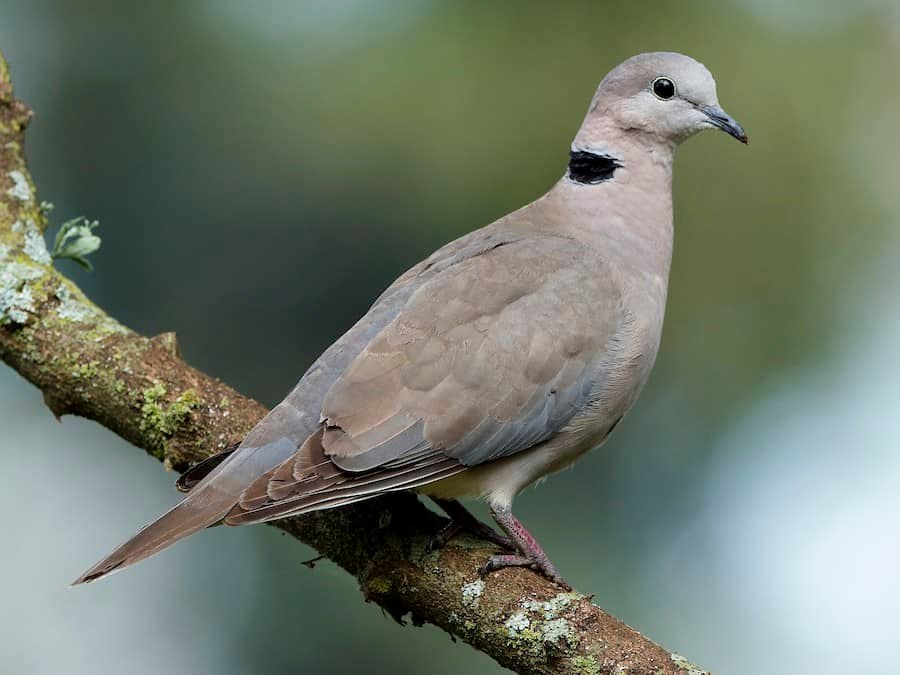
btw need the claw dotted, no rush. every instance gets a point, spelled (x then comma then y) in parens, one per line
(498, 562)
(525, 550)
(543, 567)
(531, 555)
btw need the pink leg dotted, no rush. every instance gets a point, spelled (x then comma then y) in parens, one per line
(533, 555)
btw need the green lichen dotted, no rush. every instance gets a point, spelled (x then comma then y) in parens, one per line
(684, 664)
(154, 393)
(517, 623)
(181, 407)
(17, 296)
(20, 189)
(86, 371)
(532, 639)
(158, 422)
(35, 247)
(70, 308)
(16, 305)
(379, 585)
(557, 630)
(424, 556)
(472, 592)
(552, 607)
(4, 72)
(586, 665)
(527, 641)
(538, 626)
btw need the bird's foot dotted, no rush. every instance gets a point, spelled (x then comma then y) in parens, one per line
(530, 553)
(463, 521)
(474, 527)
(540, 564)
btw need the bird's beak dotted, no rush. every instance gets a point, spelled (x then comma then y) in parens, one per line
(721, 119)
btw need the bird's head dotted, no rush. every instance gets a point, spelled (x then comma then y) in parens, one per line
(665, 95)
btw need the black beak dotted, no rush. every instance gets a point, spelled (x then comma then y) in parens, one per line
(721, 119)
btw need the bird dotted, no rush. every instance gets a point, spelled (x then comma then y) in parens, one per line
(501, 358)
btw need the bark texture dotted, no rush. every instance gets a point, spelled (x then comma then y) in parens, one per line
(88, 364)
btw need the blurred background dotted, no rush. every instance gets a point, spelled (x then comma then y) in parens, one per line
(262, 170)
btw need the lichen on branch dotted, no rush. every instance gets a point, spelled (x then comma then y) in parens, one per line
(86, 363)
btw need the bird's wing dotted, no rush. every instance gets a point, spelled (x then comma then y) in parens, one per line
(220, 483)
(490, 356)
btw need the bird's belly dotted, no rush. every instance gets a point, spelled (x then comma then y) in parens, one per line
(499, 481)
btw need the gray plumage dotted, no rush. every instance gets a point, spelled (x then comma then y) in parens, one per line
(502, 357)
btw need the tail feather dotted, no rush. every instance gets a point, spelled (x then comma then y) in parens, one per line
(192, 477)
(198, 511)
(206, 504)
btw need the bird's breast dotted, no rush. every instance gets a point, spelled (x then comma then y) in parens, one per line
(625, 364)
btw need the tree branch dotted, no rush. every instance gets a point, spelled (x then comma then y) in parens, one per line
(88, 364)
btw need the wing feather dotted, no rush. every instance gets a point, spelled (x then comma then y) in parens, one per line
(482, 362)
(488, 357)
(324, 485)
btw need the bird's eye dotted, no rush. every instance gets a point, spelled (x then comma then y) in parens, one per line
(663, 88)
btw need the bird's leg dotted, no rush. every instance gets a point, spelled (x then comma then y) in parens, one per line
(460, 520)
(532, 555)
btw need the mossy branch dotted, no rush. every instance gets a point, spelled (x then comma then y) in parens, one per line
(88, 364)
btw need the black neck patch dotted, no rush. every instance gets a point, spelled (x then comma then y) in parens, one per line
(588, 168)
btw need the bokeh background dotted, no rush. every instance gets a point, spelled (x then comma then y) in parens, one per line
(262, 170)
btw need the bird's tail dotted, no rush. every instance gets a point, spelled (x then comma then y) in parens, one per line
(196, 512)
(206, 504)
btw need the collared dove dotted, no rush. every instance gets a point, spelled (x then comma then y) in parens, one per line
(499, 359)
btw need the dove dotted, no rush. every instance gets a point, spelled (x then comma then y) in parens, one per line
(501, 358)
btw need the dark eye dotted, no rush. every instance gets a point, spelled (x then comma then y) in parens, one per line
(663, 88)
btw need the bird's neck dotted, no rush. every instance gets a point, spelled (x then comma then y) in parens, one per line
(617, 197)
(590, 168)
